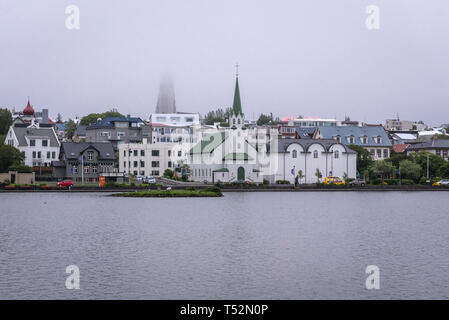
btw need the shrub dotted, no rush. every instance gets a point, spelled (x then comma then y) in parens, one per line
(168, 173)
(265, 181)
(282, 182)
(20, 168)
(392, 181)
(213, 189)
(407, 182)
(377, 181)
(190, 188)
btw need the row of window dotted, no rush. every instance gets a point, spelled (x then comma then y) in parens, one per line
(38, 155)
(363, 140)
(92, 169)
(154, 164)
(202, 172)
(154, 153)
(379, 153)
(142, 173)
(316, 154)
(33, 143)
(175, 139)
(441, 152)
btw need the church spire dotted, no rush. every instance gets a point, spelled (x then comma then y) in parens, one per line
(237, 105)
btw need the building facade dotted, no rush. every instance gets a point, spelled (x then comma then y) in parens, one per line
(439, 147)
(148, 159)
(40, 146)
(309, 156)
(117, 130)
(85, 162)
(371, 137)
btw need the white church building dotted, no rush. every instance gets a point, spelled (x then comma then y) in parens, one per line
(235, 155)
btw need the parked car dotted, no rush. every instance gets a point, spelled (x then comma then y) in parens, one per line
(333, 180)
(64, 184)
(358, 182)
(149, 179)
(443, 182)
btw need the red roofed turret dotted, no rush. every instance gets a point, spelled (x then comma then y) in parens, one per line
(28, 111)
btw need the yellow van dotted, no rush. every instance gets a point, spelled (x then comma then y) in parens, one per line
(333, 180)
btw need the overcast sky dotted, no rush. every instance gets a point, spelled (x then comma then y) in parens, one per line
(311, 58)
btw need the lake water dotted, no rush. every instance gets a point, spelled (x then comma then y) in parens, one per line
(276, 245)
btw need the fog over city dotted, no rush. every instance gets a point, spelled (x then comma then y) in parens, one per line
(310, 58)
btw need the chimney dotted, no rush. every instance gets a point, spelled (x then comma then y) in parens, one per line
(44, 116)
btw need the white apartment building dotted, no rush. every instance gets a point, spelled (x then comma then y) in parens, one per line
(174, 127)
(148, 159)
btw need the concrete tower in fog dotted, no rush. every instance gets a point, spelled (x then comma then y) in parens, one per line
(166, 102)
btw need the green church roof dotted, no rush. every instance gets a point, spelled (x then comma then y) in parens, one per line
(209, 143)
(237, 105)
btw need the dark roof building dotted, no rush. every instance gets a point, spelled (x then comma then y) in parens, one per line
(439, 147)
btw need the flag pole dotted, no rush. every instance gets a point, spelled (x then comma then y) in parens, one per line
(82, 169)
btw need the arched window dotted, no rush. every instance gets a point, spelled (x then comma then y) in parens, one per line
(336, 154)
(315, 154)
(294, 154)
(238, 121)
(233, 121)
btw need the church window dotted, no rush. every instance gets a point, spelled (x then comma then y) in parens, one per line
(294, 154)
(336, 154)
(315, 154)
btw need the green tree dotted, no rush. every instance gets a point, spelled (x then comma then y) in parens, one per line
(300, 175)
(21, 168)
(9, 156)
(93, 117)
(443, 172)
(318, 175)
(59, 118)
(5, 120)
(264, 119)
(70, 128)
(410, 170)
(364, 159)
(382, 169)
(2, 138)
(435, 162)
(90, 118)
(168, 173)
(395, 158)
(218, 115)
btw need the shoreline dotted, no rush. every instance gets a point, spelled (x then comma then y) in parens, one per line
(262, 189)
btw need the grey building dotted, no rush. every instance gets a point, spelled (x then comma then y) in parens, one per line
(118, 130)
(439, 147)
(371, 137)
(85, 162)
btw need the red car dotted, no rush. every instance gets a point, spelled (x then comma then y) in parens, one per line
(64, 183)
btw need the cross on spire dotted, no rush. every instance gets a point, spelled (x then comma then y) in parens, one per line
(237, 69)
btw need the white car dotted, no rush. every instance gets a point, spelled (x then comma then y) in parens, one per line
(443, 182)
(149, 179)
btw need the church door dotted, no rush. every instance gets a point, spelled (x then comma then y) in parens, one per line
(240, 173)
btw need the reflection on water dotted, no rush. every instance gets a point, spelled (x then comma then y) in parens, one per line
(242, 246)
